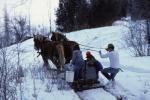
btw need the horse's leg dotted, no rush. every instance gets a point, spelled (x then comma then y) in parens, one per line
(46, 64)
(68, 53)
(60, 49)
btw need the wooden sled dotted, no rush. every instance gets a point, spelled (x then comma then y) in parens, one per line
(89, 79)
(85, 85)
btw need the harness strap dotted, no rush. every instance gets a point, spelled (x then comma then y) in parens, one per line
(39, 53)
(121, 70)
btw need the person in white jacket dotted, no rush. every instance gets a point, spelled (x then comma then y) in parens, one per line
(113, 56)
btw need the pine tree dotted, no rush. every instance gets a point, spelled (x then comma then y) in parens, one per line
(72, 15)
(82, 13)
(60, 16)
(79, 14)
(104, 12)
(140, 9)
(65, 15)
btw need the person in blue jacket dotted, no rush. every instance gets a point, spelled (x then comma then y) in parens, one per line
(78, 62)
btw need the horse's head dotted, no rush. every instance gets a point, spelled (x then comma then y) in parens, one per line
(38, 41)
(56, 36)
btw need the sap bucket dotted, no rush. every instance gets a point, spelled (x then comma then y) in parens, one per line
(69, 76)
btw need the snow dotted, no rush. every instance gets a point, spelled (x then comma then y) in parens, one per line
(136, 76)
(131, 84)
(96, 94)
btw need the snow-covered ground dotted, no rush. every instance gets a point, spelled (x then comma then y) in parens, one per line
(134, 82)
(131, 84)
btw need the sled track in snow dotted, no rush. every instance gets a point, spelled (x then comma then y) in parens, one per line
(116, 92)
(130, 68)
(95, 94)
(134, 69)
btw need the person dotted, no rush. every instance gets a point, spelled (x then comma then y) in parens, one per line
(113, 56)
(77, 61)
(91, 61)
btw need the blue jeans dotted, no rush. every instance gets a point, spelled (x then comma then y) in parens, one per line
(78, 71)
(110, 73)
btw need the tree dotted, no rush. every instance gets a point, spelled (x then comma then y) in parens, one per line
(7, 74)
(65, 15)
(104, 12)
(140, 9)
(20, 28)
(81, 15)
(6, 27)
(148, 36)
(136, 38)
(72, 15)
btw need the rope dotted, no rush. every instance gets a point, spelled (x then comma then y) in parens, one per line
(39, 53)
(88, 46)
(91, 46)
(90, 49)
(121, 70)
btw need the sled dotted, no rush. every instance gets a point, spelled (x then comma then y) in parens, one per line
(88, 81)
(85, 85)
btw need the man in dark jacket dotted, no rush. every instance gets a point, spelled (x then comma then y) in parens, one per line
(91, 61)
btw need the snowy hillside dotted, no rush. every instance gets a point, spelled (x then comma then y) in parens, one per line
(135, 78)
(132, 84)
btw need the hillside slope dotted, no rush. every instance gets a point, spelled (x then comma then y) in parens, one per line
(136, 70)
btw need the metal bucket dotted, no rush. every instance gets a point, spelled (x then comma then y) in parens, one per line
(69, 76)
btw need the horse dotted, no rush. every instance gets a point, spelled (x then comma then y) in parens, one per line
(58, 50)
(57, 36)
(69, 46)
(49, 50)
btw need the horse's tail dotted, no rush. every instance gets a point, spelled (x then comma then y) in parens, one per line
(60, 49)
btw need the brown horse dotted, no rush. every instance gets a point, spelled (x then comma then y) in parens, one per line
(57, 36)
(49, 50)
(69, 46)
(58, 51)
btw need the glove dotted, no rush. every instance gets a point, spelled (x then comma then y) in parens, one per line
(70, 62)
(106, 49)
(100, 52)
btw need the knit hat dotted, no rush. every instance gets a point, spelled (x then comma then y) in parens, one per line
(88, 54)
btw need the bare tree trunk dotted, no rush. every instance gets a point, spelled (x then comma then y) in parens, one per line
(5, 88)
(6, 27)
(148, 36)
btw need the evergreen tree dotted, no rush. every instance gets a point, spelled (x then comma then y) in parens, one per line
(82, 14)
(72, 15)
(79, 14)
(104, 12)
(60, 16)
(65, 15)
(140, 9)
